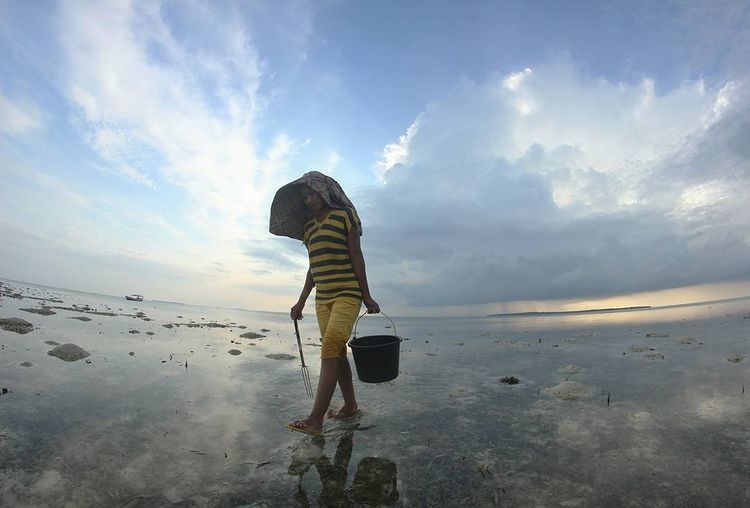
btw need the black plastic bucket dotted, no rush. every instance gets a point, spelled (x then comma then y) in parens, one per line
(376, 356)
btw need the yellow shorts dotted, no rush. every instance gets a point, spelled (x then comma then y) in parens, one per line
(336, 319)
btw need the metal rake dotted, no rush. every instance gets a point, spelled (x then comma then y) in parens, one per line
(305, 373)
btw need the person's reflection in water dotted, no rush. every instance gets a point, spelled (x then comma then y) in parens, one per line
(374, 482)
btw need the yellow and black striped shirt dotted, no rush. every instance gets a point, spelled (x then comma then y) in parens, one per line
(328, 248)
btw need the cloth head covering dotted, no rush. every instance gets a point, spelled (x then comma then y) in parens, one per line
(289, 213)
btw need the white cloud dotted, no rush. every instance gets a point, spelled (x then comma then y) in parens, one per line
(149, 93)
(522, 100)
(703, 195)
(612, 124)
(398, 153)
(170, 97)
(603, 188)
(19, 117)
(514, 81)
(59, 189)
(119, 146)
(724, 99)
(332, 161)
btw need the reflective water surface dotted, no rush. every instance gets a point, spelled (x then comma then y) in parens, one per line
(638, 408)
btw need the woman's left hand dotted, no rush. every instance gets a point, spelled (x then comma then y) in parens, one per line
(372, 305)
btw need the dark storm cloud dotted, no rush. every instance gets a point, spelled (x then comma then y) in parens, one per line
(453, 229)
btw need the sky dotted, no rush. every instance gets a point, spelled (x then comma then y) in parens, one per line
(503, 156)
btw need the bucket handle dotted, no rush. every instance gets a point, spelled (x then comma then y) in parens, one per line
(381, 312)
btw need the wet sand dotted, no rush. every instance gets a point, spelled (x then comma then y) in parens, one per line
(172, 406)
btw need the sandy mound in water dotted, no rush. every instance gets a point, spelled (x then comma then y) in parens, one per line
(44, 311)
(16, 325)
(654, 356)
(571, 369)
(252, 335)
(280, 356)
(69, 352)
(569, 390)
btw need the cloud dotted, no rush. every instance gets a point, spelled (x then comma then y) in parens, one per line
(398, 153)
(276, 254)
(60, 189)
(119, 146)
(171, 96)
(19, 117)
(332, 161)
(548, 183)
(170, 99)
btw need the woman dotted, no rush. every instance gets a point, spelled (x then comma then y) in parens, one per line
(331, 234)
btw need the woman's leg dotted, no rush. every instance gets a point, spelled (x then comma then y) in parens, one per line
(346, 385)
(327, 380)
(336, 320)
(328, 321)
(324, 394)
(348, 309)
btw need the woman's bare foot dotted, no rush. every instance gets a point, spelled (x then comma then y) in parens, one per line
(345, 412)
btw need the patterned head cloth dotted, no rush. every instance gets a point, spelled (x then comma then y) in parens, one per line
(288, 211)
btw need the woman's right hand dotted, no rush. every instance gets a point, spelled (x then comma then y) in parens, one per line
(296, 312)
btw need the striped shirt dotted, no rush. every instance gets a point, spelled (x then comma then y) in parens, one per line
(328, 248)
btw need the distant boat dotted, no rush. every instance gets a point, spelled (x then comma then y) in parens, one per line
(134, 298)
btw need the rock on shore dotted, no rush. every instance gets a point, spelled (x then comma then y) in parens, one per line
(280, 356)
(569, 390)
(69, 352)
(251, 335)
(16, 325)
(44, 311)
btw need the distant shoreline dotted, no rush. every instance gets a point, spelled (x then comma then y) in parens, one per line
(636, 308)
(567, 312)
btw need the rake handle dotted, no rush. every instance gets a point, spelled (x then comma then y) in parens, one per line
(299, 344)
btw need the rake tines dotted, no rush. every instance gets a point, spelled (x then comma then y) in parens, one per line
(305, 373)
(306, 380)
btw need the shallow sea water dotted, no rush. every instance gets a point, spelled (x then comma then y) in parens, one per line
(656, 414)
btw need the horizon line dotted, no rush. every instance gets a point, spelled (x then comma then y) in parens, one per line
(631, 308)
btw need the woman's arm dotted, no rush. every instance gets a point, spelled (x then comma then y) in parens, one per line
(297, 309)
(358, 263)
